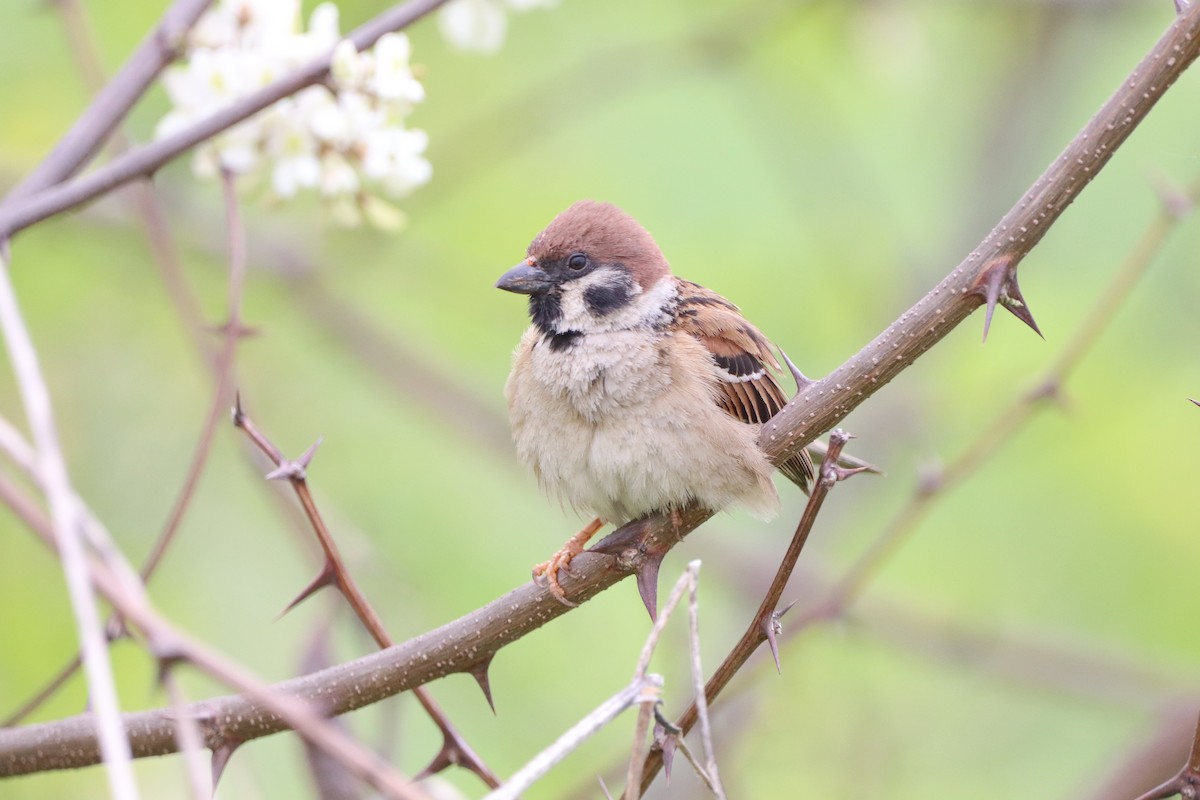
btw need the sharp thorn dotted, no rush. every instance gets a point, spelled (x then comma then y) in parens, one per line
(1014, 301)
(997, 284)
(480, 673)
(447, 756)
(665, 733)
(306, 459)
(324, 578)
(289, 470)
(1197, 402)
(239, 416)
(604, 787)
(841, 473)
(220, 759)
(991, 296)
(647, 583)
(772, 626)
(668, 757)
(799, 377)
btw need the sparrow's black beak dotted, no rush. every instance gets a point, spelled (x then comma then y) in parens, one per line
(525, 279)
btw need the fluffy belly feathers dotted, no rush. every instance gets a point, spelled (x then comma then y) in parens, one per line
(606, 439)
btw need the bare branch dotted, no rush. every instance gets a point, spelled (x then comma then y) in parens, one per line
(1017, 415)
(68, 532)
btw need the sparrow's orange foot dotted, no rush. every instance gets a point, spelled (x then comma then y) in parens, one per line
(546, 573)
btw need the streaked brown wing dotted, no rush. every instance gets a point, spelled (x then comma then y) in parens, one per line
(747, 367)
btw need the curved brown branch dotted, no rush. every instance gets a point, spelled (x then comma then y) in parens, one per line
(148, 158)
(463, 644)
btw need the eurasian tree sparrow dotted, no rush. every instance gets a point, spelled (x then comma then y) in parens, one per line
(634, 391)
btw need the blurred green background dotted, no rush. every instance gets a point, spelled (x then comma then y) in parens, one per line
(822, 164)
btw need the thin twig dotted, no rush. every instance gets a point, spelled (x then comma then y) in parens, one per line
(761, 627)
(222, 394)
(150, 212)
(711, 777)
(67, 526)
(641, 744)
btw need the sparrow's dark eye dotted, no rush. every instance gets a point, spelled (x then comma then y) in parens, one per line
(577, 261)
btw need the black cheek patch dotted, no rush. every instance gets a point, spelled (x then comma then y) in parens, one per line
(605, 299)
(545, 310)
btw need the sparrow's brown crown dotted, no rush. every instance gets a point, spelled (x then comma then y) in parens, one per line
(606, 235)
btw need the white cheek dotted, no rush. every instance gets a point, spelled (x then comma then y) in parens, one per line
(575, 315)
(643, 306)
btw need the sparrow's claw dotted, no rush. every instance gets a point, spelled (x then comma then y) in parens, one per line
(546, 573)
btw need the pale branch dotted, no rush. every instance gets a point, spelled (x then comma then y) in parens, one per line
(113, 103)
(462, 645)
(146, 159)
(644, 689)
(67, 521)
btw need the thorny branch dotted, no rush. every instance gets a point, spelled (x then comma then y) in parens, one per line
(333, 572)
(460, 645)
(67, 524)
(1175, 206)
(763, 624)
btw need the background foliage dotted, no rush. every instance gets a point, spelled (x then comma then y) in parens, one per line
(819, 163)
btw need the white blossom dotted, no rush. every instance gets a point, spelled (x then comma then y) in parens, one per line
(345, 140)
(393, 78)
(480, 25)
